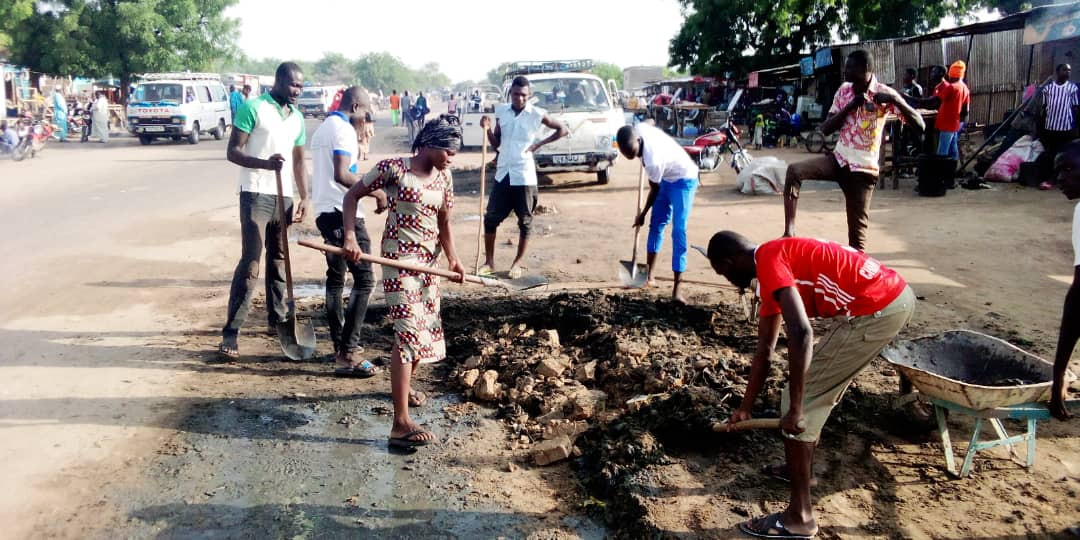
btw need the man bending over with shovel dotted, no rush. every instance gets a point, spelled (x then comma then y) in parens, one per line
(800, 278)
(673, 181)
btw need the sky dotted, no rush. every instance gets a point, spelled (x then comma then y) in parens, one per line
(466, 38)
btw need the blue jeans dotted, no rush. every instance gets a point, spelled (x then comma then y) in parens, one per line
(673, 203)
(948, 144)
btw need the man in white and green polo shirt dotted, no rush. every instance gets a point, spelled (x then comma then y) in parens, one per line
(268, 136)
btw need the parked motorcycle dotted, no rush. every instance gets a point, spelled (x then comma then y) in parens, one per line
(33, 134)
(709, 148)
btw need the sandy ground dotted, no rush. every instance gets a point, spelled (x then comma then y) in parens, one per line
(118, 421)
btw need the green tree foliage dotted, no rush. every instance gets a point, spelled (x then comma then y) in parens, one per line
(743, 35)
(607, 70)
(332, 68)
(495, 74)
(123, 38)
(12, 14)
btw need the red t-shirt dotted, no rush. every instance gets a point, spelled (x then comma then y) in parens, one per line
(832, 279)
(953, 98)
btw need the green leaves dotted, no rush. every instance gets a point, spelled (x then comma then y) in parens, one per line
(120, 37)
(744, 35)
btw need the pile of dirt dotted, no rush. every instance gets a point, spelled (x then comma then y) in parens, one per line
(612, 379)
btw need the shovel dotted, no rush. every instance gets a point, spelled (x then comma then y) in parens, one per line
(509, 285)
(297, 339)
(753, 423)
(632, 274)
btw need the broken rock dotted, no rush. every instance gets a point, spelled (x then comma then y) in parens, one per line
(550, 338)
(469, 378)
(586, 372)
(472, 362)
(487, 388)
(552, 366)
(570, 430)
(587, 403)
(548, 452)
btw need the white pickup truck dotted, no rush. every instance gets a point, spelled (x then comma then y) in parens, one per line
(570, 94)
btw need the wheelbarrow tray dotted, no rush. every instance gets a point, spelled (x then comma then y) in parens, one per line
(972, 369)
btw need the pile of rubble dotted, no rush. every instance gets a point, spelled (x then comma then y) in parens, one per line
(560, 366)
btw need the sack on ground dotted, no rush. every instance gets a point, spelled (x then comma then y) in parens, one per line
(763, 176)
(1007, 166)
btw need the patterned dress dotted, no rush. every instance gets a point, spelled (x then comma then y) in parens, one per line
(412, 235)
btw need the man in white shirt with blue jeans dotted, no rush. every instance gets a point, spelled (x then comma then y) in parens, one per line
(673, 181)
(334, 150)
(516, 127)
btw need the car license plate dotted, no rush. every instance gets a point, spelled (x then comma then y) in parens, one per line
(568, 160)
(154, 129)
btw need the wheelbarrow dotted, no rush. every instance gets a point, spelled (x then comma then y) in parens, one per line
(980, 376)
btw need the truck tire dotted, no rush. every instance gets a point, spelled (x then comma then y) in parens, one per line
(193, 137)
(145, 139)
(602, 177)
(219, 131)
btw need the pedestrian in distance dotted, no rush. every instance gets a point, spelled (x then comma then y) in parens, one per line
(395, 108)
(800, 279)
(236, 99)
(673, 181)
(99, 116)
(420, 193)
(60, 114)
(858, 111)
(268, 136)
(334, 154)
(407, 113)
(366, 134)
(1056, 125)
(517, 125)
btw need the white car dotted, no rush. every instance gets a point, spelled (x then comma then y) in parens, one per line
(179, 106)
(589, 110)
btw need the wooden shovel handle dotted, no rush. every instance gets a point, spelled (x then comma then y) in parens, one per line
(640, 202)
(284, 228)
(753, 423)
(334, 250)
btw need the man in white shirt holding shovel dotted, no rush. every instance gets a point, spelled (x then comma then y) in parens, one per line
(673, 181)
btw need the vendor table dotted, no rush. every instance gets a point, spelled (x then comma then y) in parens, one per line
(896, 157)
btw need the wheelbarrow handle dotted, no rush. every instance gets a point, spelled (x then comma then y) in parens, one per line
(334, 250)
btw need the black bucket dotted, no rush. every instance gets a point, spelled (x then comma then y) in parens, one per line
(937, 174)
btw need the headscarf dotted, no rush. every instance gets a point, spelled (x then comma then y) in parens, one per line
(443, 133)
(957, 70)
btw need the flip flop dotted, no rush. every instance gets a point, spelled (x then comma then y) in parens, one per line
(486, 271)
(771, 528)
(516, 272)
(407, 440)
(364, 370)
(232, 352)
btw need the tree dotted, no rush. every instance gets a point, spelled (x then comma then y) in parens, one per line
(495, 74)
(123, 38)
(606, 71)
(13, 13)
(743, 35)
(333, 68)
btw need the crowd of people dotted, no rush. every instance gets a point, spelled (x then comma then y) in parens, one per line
(798, 279)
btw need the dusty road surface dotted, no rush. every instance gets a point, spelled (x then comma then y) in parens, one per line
(118, 419)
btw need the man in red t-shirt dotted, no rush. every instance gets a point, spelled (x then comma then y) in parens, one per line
(951, 99)
(800, 278)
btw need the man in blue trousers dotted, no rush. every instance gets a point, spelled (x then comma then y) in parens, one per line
(673, 181)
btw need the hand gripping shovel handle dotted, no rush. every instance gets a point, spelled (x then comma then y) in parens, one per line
(334, 250)
(753, 423)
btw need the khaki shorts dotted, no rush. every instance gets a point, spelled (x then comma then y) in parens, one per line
(848, 347)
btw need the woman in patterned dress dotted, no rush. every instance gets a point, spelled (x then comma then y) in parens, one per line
(420, 191)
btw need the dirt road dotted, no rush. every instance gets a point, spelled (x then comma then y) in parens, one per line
(118, 421)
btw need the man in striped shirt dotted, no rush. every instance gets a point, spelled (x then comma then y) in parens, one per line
(1058, 125)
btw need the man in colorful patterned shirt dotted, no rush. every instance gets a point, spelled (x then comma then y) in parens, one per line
(858, 112)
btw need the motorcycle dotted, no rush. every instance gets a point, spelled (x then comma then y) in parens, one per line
(79, 126)
(33, 134)
(708, 149)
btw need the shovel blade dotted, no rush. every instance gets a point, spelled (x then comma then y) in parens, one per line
(525, 283)
(633, 276)
(297, 340)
